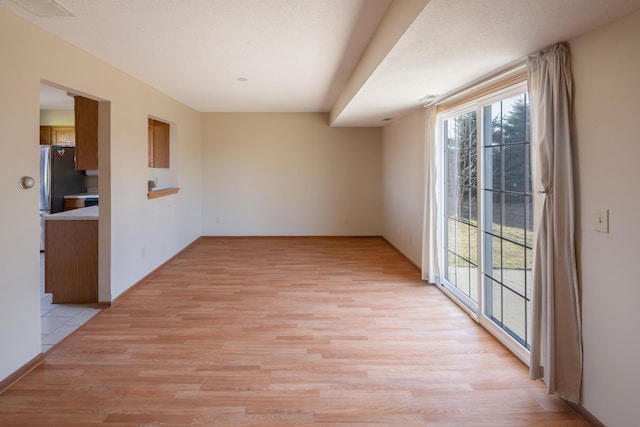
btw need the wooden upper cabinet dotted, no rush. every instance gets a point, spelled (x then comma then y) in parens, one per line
(158, 144)
(86, 114)
(58, 135)
(63, 135)
(45, 135)
(150, 141)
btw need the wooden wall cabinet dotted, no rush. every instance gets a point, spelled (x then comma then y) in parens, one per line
(63, 135)
(46, 135)
(150, 141)
(158, 140)
(58, 135)
(86, 133)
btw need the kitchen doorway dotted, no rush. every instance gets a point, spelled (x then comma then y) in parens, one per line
(67, 190)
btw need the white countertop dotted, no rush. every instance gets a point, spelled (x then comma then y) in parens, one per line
(81, 196)
(90, 213)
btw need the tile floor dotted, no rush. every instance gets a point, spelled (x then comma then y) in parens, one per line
(59, 320)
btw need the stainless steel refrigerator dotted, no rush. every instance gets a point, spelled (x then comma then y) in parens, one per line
(58, 178)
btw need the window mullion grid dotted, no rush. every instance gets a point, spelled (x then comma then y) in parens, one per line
(470, 181)
(501, 190)
(528, 199)
(479, 214)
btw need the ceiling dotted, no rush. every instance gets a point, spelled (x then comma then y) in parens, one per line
(361, 60)
(52, 98)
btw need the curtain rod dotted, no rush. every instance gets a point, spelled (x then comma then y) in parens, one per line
(513, 72)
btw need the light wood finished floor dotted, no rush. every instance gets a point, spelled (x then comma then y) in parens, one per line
(283, 332)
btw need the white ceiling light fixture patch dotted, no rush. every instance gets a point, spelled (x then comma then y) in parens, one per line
(43, 8)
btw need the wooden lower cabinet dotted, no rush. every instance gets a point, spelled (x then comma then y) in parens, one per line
(71, 261)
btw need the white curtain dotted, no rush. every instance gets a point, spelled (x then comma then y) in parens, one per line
(556, 342)
(430, 248)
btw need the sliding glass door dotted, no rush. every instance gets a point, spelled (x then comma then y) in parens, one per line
(487, 215)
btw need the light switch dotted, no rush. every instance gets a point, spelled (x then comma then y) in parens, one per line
(601, 220)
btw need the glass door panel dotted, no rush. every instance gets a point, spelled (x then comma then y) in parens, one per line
(508, 231)
(461, 217)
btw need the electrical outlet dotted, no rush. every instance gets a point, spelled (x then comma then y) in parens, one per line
(601, 220)
(218, 220)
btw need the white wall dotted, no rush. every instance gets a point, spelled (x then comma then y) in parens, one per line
(289, 174)
(403, 183)
(606, 71)
(57, 118)
(143, 233)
